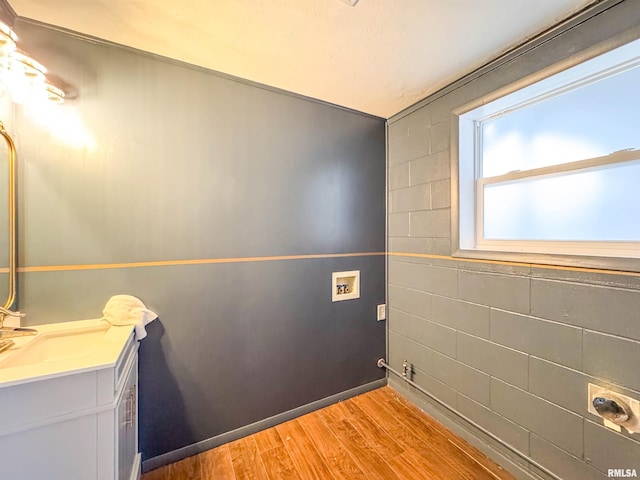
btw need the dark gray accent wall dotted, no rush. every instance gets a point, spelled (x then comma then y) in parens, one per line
(188, 164)
(512, 347)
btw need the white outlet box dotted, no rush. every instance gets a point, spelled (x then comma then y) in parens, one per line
(345, 285)
(382, 312)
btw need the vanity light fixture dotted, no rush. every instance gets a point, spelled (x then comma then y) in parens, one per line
(7, 39)
(54, 94)
(23, 77)
(24, 65)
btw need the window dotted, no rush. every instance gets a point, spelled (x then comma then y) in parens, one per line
(554, 167)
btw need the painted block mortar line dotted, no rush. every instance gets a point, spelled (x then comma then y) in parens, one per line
(612, 356)
(458, 281)
(609, 310)
(582, 365)
(588, 278)
(466, 302)
(542, 399)
(430, 196)
(406, 262)
(611, 335)
(591, 284)
(525, 276)
(552, 340)
(412, 289)
(498, 361)
(554, 423)
(491, 342)
(530, 295)
(554, 322)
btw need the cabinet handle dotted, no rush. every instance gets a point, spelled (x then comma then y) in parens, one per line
(130, 407)
(134, 404)
(128, 410)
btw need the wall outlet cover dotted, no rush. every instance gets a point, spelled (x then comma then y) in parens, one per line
(382, 312)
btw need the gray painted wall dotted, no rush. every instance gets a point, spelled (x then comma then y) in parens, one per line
(511, 347)
(192, 165)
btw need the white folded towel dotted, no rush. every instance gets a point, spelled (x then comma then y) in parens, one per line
(128, 310)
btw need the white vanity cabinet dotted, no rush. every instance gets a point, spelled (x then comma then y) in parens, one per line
(79, 424)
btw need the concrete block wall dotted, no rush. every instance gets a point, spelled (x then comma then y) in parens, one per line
(511, 346)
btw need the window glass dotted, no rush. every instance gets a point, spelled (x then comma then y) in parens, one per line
(552, 169)
(590, 121)
(595, 205)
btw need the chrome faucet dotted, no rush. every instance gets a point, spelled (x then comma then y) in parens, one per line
(8, 332)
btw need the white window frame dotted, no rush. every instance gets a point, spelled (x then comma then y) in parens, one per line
(468, 184)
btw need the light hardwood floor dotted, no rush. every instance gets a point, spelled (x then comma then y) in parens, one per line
(377, 435)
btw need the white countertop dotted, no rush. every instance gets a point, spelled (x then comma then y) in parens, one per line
(103, 352)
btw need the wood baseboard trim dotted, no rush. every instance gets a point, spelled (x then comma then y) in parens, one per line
(204, 445)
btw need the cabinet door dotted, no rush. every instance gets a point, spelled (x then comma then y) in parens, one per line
(127, 415)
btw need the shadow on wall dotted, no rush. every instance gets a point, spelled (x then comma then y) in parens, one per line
(157, 420)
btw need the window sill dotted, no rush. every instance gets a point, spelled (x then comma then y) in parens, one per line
(582, 262)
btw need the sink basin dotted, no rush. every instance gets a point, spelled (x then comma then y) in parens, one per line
(59, 345)
(61, 349)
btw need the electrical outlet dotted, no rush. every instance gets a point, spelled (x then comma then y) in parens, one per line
(382, 312)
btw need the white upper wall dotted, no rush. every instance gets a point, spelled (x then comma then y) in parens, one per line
(378, 57)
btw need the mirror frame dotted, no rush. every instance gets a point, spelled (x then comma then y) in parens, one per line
(11, 159)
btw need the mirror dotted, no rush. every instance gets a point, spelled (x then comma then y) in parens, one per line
(4, 224)
(8, 257)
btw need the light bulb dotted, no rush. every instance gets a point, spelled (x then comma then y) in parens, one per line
(24, 78)
(54, 94)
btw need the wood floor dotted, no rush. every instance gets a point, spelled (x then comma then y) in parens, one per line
(377, 435)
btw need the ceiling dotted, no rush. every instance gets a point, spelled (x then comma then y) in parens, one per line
(378, 57)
